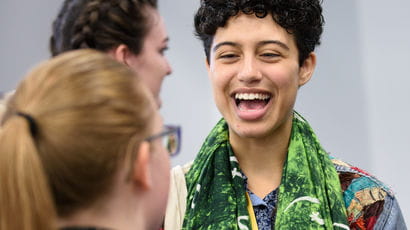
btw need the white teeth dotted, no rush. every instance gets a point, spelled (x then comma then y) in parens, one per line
(251, 96)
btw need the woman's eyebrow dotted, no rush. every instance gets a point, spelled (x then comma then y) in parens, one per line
(261, 43)
(216, 47)
(277, 42)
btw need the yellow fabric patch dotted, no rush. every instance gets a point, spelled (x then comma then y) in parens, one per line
(364, 198)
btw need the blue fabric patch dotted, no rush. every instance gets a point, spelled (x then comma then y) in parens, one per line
(357, 185)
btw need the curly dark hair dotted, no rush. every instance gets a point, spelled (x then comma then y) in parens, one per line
(301, 18)
(100, 24)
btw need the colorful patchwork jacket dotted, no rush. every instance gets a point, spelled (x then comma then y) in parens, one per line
(369, 203)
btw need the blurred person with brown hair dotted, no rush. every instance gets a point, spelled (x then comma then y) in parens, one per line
(131, 31)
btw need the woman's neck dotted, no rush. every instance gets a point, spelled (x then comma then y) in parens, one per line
(115, 219)
(121, 209)
(262, 159)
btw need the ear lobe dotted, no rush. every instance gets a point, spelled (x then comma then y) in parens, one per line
(141, 174)
(120, 53)
(307, 69)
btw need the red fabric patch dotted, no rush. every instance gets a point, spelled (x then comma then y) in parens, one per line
(371, 222)
(361, 171)
(358, 225)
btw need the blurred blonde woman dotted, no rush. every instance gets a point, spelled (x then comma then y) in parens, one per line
(83, 147)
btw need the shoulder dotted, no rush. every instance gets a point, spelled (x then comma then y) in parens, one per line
(176, 206)
(355, 179)
(368, 200)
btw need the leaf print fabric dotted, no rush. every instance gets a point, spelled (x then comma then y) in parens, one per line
(309, 197)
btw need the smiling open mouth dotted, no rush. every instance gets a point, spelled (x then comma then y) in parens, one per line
(251, 101)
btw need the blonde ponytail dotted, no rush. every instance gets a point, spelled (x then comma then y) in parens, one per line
(25, 198)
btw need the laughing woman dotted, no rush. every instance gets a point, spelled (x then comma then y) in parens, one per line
(262, 166)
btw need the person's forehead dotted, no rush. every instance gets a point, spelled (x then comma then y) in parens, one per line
(157, 30)
(237, 30)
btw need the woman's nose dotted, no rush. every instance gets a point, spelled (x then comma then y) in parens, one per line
(249, 71)
(168, 68)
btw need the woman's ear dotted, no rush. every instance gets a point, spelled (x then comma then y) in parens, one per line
(120, 53)
(307, 69)
(141, 174)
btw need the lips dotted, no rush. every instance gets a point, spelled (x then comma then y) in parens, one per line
(251, 105)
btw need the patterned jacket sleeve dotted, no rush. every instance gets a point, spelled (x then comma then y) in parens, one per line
(369, 203)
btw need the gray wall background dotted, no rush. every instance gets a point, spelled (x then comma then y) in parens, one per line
(357, 101)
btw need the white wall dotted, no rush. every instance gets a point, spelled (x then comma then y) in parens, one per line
(334, 100)
(356, 101)
(186, 94)
(25, 27)
(385, 42)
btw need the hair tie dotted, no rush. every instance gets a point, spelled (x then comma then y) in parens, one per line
(31, 122)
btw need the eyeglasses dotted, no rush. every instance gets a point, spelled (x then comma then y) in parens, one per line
(171, 138)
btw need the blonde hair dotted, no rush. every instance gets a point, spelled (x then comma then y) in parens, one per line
(87, 110)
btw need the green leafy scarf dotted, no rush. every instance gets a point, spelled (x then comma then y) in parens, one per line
(310, 195)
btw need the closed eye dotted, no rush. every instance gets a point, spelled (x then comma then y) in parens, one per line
(228, 56)
(270, 55)
(163, 50)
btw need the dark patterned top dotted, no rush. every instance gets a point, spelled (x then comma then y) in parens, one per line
(264, 208)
